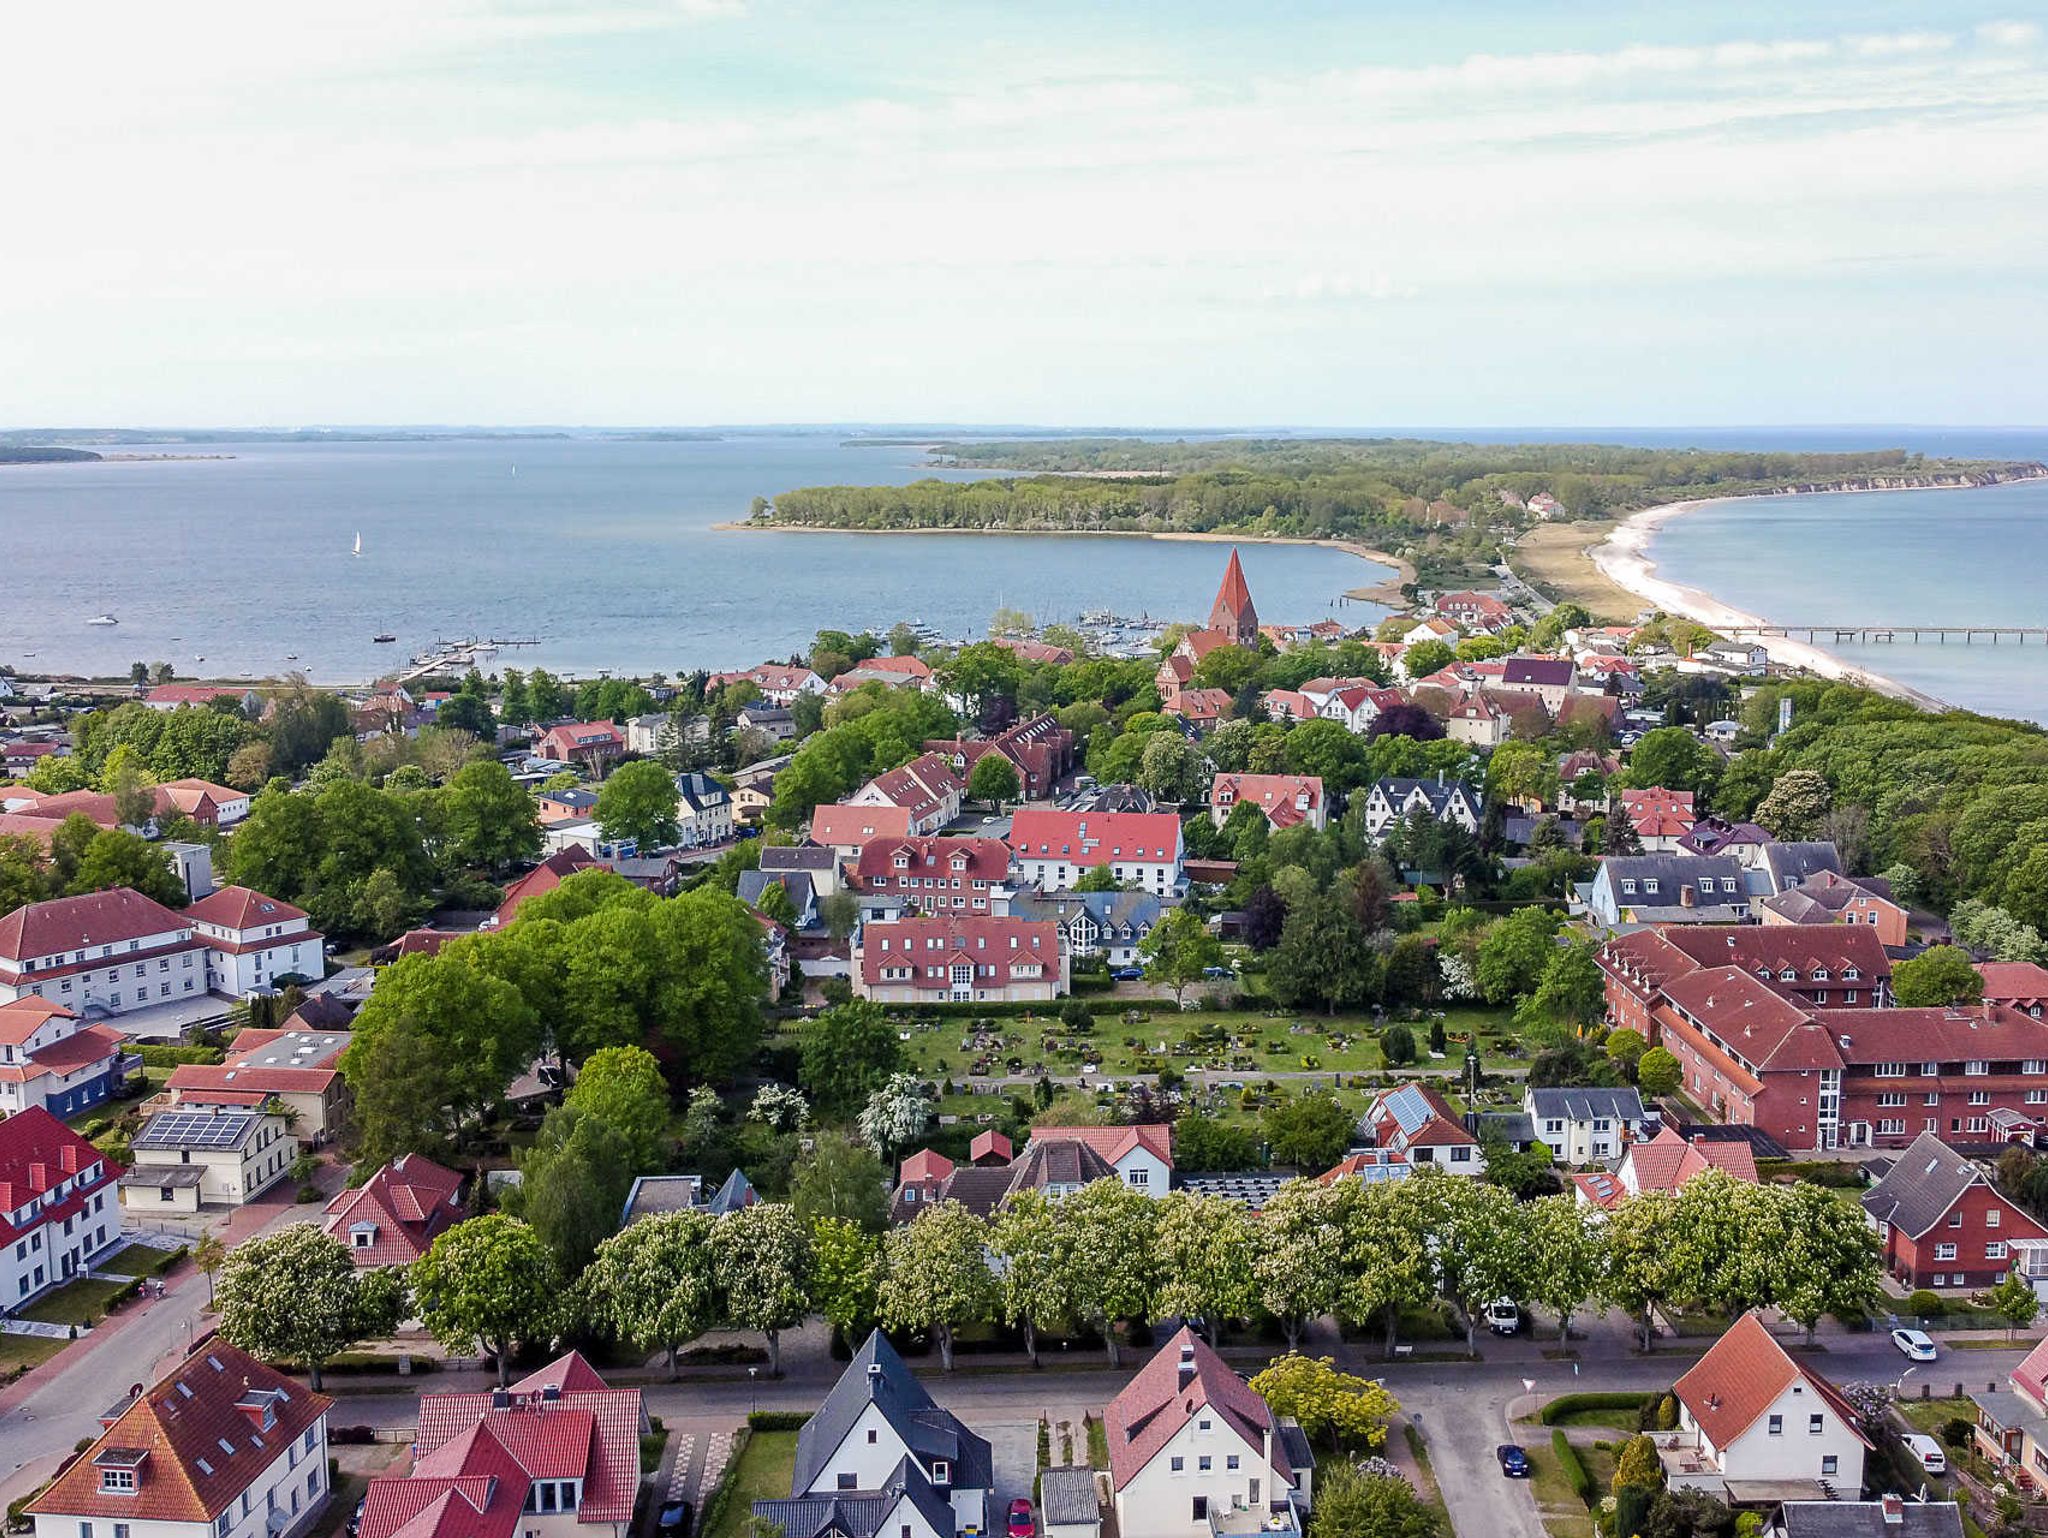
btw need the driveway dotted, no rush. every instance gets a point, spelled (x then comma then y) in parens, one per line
(1013, 1448)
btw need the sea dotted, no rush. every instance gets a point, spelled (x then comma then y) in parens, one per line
(603, 551)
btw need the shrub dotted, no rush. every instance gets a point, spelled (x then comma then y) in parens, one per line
(1574, 1467)
(1611, 1399)
(1076, 1016)
(1667, 1413)
(1926, 1304)
(1397, 1046)
(778, 1420)
(1958, 1432)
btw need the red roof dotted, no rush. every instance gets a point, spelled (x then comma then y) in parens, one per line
(199, 1428)
(932, 855)
(2031, 1376)
(2006, 981)
(38, 1153)
(1768, 1030)
(925, 1164)
(990, 1144)
(840, 826)
(591, 1433)
(545, 877)
(1162, 1399)
(1233, 609)
(194, 694)
(1741, 1376)
(406, 1203)
(1113, 1143)
(1667, 1161)
(1293, 795)
(1094, 838)
(1659, 813)
(585, 736)
(75, 923)
(87, 1045)
(24, 1017)
(927, 947)
(239, 908)
(921, 787)
(1201, 704)
(1957, 1033)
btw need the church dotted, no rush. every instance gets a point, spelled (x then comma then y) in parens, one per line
(1233, 621)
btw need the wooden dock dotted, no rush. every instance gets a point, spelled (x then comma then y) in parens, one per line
(1941, 635)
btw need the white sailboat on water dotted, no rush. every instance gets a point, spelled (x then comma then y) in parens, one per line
(359, 542)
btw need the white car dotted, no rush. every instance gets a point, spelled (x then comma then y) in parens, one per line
(1915, 1344)
(1502, 1317)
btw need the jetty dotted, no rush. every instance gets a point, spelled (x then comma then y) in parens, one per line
(444, 655)
(1967, 635)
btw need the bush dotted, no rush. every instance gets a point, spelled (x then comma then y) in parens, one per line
(778, 1420)
(1076, 1016)
(1926, 1304)
(1574, 1468)
(1397, 1046)
(157, 1055)
(1611, 1399)
(1958, 1432)
(1667, 1413)
(713, 1510)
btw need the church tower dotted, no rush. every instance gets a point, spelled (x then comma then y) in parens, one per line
(1233, 611)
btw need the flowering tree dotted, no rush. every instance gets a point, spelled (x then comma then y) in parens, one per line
(895, 1114)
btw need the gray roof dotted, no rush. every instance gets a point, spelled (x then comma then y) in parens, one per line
(1117, 797)
(861, 1515)
(164, 1175)
(1438, 793)
(926, 1430)
(1299, 1454)
(1865, 1519)
(1254, 1188)
(1140, 910)
(977, 1187)
(1514, 1127)
(1673, 873)
(1541, 671)
(811, 857)
(1790, 864)
(737, 1192)
(1585, 1104)
(1919, 1189)
(797, 883)
(1066, 1497)
(701, 791)
(655, 1194)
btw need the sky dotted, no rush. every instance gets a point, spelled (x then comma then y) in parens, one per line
(640, 212)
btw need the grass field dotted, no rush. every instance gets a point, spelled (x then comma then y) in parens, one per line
(762, 1473)
(1552, 557)
(26, 1351)
(78, 1302)
(1564, 1514)
(137, 1260)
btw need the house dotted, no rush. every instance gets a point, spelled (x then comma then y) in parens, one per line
(845, 829)
(544, 877)
(1232, 612)
(1051, 849)
(1067, 1504)
(592, 746)
(252, 941)
(1831, 898)
(194, 797)
(1353, 703)
(1585, 1126)
(1200, 710)
(1290, 705)
(2012, 1429)
(1033, 651)
(1831, 968)
(1476, 613)
(934, 874)
(202, 696)
(1479, 720)
(185, 1159)
(554, 1456)
(1288, 800)
(753, 790)
(1742, 842)
(926, 788)
(652, 1195)
(820, 864)
(1544, 505)
(19, 756)
(1055, 1169)
(803, 897)
(958, 959)
(114, 951)
(1889, 1516)
(1374, 1166)
(772, 721)
(1392, 799)
(1665, 1162)
(222, 1446)
(1739, 656)
(1941, 1220)
(880, 1458)
(1140, 1156)
(779, 684)
(1415, 1121)
(299, 1068)
(703, 811)
(1661, 818)
(1779, 865)
(56, 1216)
(1108, 924)
(1039, 749)
(392, 1218)
(1195, 1452)
(1549, 679)
(570, 803)
(1749, 1413)
(1632, 890)
(2019, 985)
(52, 1060)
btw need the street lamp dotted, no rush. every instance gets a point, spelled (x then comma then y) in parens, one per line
(1899, 1388)
(753, 1399)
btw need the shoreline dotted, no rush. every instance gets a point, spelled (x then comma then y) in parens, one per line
(1387, 593)
(1623, 558)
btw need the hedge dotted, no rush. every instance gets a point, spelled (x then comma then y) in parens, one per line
(778, 1420)
(1574, 1467)
(157, 1055)
(715, 1503)
(1612, 1399)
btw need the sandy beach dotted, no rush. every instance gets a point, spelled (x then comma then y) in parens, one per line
(1623, 558)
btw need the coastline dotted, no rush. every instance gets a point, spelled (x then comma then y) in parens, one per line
(1386, 593)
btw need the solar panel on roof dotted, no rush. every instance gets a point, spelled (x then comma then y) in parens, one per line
(194, 1129)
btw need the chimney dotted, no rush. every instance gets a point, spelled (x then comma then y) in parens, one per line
(1187, 1365)
(501, 1399)
(1894, 1510)
(1687, 897)
(1266, 1464)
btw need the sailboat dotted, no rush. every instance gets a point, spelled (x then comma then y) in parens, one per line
(359, 541)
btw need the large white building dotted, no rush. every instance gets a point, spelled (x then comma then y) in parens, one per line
(206, 1155)
(221, 1448)
(252, 940)
(1748, 1411)
(56, 1211)
(52, 1059)
(1051, 849)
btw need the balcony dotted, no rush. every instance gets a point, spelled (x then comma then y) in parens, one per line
(1282, 1521)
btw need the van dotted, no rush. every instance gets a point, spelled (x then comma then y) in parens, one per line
(1927, 1453)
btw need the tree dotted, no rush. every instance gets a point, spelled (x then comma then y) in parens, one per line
(1566, 1257)
(487, 1284)
(638, 802)
(1208, 1143)
(846, 1270)
(1309, 1132)
(118, 858)
(1397, 1045)
(573, 1184)
(1571, 996)
(1172, 768)
(1205, 1246)
(1825, 1257)
(623, 1088)
(1425, 657)
(1352, 1504)
(1298, 1265)
(776, 903)
(896, 1115)
(651, 1284)
(1515, 953)
(404, 1088)
(1521, 773)
(1179, 950)
(1108, 1256)
(935, 1277)
(1658, 1073)
(993, 781)
(1353, 1411)
(1672, 758)
(846, 1052)
(297, 1296)
(491, 821)
(841, 1180)
(1798, 804)
(761, 1260)
(1642, 1267)
(483, 1028)
(2015, 1301)
(1479, 1244)
(1638, 1481)
(207, 1255)
(1033, 1279)
(1322, 958)
(1625, 1048)
(1941, 974)
(839, 912)
(127, 778)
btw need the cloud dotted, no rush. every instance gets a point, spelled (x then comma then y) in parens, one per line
(2010, 34)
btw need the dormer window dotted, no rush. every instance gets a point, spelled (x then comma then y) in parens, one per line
(942, 1472)
(362, 1235)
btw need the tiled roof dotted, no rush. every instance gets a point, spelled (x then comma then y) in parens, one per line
(1751, 1018)
(240, 908)
(1658, 813)
(1157, 1403)
(545, 877)
(1094, 838)
(1922, 1186)
(930, 945)
(2032, 1374)
(1418, 1116)
(1113, 1143)
(984, 859)
(1741, 1376)
(25, 1016)
(1667, 1161)
(201, 1428)
(1374, 1166)
(844, 826)
(83, 1047)
(1957, 1033)
(76, 923)
(925, 1164)
(1541, 672)
(409, 1201)
(1268, 792)
(38, 1153)
(2009, 980)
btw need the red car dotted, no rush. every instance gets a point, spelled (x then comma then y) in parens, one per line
(1021, 1523)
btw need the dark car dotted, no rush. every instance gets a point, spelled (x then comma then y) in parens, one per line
(1129, 974)
(1513, 1461)
(674, 1521)
(1216, 972)
(1021, 1524)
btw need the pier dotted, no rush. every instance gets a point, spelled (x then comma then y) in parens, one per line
(1967, 635)
(445, 655)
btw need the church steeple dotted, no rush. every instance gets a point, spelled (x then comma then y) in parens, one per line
(1233, 611)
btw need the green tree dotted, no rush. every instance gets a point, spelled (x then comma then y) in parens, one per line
(1522, 773)
(846, 1271)
(24, 874)
(623, 1088)
(1208, 1143)
(127, 778)
(1672, 758)
(935, 1277)
(118, 858)
(487, 1284)
(573, 1184)
(1571, 996)
(482, 1025)
(651, 1284)
(993, 781)
(1309, 1132)
(845, 1053)
(2015, 1301)
(1625, 1049)
(1351, 1411)
(1299, 1266)
(1353, 1504)
(896, 1115)
(1383, 1253)
(1941, 974)
(761, 1261)
(1658, 1073)
(1205, 1247)
(1566, 1256)
(1826, 1257)
(1322, 958)
(1172, 768)
(1033, 1281)
(296, 1296)
(1179, 950)
(1515, 953)
(404, 1090)
(1798, 804)
(491, 820)
(1109, 1255)
(638, 802)
(839, 912)
(841, 1180)
(1425, 657)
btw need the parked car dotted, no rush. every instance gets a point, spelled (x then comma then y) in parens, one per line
(1129, 974)
(674, 1521)
(1915, 1344)
(1927, 1452)
(1021, 1524)
(1502, 1317)
(1216, 972)
(1513, 1461)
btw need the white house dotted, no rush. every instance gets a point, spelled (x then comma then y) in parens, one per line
(1194, 1452)
(1140, 1156)
(1052, 849)
(115, 951)
(252, 940)
(1585, 1126)
(224, 1155)
(926, 789)
(880, 1458)
(52, 1059)
(1748, 1411)
(223, 1447)
(60, 1217)
(1446, 800)
(703, 811)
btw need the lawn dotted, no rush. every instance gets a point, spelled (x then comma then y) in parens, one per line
(1930, 1415)
(77, 1302)
(1098, 1443)
(763, 1472)
(1552, 557)
(137, 1260)
(1564, 1514)
(25, 1351)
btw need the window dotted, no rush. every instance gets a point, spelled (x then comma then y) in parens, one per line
(1995, 1250)
(1829, 1464)
(1230, 1461)
(1955, 1219)
(1206, 1425)
(1944, 1252)
(121, 1481)
(1991, 1217)
(942, 1471)
(1201, 1508)
(1815, 1425)
(849, 1482)
(1888, 1070)
(1204, 1464)
(1777, 1426)
(1177, 1465)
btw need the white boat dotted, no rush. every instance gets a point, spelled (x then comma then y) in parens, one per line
(103, 619)
(359, 541)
